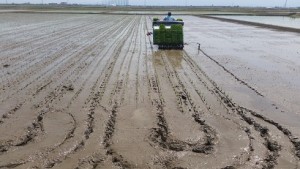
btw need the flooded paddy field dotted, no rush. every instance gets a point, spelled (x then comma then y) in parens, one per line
(90, 91)
(284, 21)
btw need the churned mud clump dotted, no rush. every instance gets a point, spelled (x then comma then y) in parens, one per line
(91, 91)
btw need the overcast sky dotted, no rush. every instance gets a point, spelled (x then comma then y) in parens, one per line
(266, 3)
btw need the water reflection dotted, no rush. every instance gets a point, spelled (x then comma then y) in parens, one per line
(284, 21)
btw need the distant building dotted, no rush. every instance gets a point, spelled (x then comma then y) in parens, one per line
(53, 3)
(64, 3)
(117, 2)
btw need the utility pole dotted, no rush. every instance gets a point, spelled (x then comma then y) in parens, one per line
(285, 3)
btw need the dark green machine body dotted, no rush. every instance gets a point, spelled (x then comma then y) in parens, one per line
(168, 35)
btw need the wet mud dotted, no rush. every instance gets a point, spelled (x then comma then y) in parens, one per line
(91, 91)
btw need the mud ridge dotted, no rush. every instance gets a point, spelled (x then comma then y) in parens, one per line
(83, 49)
(274, 148)
(51, 97)
(285, 131)
(12, 165)
(93, 161)
(272, 145)
(10, 113)
(96, 99)
(98, 96)
(115, 100)
(184, 99)
(32, 131)
(32, 55)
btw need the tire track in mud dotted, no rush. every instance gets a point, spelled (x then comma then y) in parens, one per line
(214, 106)
(32, 71)
(44, 36)
(185, 105)
(40, 76)
(25, 59)
(161, 135)
(14, 59)
(77, 109)
(51, 99)
(116, 99)
(94, 103)
(293, 139)
(133, 117)
(30, 62)
(205, 146)
(37, 26)
(271, 144)
(269, 155)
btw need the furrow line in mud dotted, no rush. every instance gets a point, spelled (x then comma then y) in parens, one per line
(109, 66)
(90, 53)
(44, 38)
(32, 131)
(234, 76)
(37, 128)
(116, 100)
(85, 65)
(120, 83)
(21, 62)
(180, 88)
(31, 61)
(160, 134)
(38, 26)
(32, 64)
(272, 145)
(137, 85)
(184, 100)
(95, 102)
(38, 90)
(10, 112)
(87, 46)
(284, 130)
(204, 97)
(52, 96)
(98, 96)
(230, 106)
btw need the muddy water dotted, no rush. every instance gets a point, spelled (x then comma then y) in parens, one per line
(91, 91)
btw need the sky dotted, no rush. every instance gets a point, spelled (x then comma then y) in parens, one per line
(254, 3)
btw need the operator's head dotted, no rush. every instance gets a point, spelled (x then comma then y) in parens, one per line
(169, 13)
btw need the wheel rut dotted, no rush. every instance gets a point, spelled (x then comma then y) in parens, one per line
(96, 93)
